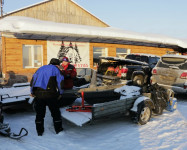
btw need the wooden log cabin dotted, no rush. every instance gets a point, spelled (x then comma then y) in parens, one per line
(24, 50)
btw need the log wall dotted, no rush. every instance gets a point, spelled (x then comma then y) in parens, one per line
(133, 49)
(12, 59)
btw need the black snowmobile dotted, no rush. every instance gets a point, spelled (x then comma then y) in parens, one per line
(5, 129)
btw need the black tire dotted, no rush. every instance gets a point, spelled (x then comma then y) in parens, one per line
(138, 80)
(144, 113)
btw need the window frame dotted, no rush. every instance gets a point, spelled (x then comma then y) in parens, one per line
(95, 64)
(32, 56)
(125, 53)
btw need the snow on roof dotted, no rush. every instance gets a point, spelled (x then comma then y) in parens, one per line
(175, 56)
(144, 54)
(26, 25)
(123, 59)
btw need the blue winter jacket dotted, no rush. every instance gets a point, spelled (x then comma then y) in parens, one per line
(43, 75)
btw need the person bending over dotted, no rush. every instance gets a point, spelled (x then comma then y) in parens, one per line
(46, 86)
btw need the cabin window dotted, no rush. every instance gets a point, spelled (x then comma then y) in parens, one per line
(122, 52)
(98, 51)
(32, 56)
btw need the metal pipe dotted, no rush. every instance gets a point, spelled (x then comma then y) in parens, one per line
(1, 8)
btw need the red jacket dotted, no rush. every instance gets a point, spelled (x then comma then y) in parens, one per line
(69, 73)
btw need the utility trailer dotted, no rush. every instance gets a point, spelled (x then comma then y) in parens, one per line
(140, 107)
(19, 93)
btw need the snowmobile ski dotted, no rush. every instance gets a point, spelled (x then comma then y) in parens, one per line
(18, 136)
(6, 131)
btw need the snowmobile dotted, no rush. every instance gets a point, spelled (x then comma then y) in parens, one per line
(5, 129)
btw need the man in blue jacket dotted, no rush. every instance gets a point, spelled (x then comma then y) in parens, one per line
(46, 87)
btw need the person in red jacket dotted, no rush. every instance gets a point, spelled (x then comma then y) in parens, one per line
(69, 73)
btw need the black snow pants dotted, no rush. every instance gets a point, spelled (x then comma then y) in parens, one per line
(40, 108)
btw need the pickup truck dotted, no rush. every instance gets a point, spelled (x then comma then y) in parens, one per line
(134, 67)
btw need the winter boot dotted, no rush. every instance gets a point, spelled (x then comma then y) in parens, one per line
(39, 127)
(58, 126)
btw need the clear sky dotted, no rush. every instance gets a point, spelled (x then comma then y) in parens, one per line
(166, 17)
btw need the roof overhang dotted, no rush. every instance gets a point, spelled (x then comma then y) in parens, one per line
(29, 28)
(91, 39)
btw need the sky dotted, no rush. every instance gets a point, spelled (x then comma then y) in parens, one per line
(165, 17)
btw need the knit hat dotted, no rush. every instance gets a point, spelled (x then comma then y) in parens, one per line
(65, 59)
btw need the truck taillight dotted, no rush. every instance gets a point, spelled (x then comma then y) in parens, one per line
(183, 75)
(154, 71)
(124, 70)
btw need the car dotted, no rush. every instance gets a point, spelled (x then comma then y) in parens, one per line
(135, 67)
(171, 73)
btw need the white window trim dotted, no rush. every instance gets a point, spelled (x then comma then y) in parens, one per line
(32, 55)
(128, 52)
(105, 52)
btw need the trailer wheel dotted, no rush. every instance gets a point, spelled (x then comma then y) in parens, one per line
(138, 80)
(144, 113)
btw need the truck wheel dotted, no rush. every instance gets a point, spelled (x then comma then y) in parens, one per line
(138, 80)
(144, 113)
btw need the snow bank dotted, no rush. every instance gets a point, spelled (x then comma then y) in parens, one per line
(166, 132)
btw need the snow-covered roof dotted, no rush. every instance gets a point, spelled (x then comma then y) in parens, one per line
(175, 56)
(25, 27)
(144, 54)
(123, 60)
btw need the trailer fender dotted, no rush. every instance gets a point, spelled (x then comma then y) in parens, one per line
(141, 99)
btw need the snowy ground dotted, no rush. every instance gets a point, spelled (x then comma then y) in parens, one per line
(166, 132)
